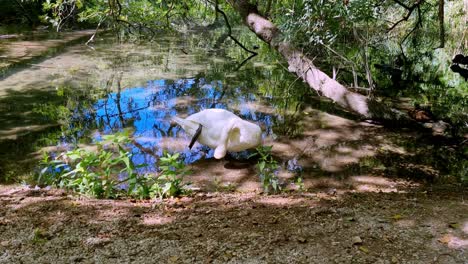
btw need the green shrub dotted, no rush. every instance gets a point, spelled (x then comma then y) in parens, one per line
(169, 183)
(267, 168)
(91, 172)
(95, 172)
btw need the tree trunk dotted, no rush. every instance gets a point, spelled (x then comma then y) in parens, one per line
(441, 24)
(304, 68)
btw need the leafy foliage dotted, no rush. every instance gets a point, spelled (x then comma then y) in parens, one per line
(387, 48)
(102, 173)
(267, 168)
(370, 45)
(60, 11)
(91, 172)
(169, 183)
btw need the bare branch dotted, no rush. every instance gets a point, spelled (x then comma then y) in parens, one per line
(410, 10)
(91, 39)
(441, 24)
(230, 32)
(167, 15)
(245, 61)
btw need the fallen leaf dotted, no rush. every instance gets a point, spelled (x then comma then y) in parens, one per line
(4, 243)
(364, 249)
(173, 259)
(301, 239)
(397, 217)
(445, 239)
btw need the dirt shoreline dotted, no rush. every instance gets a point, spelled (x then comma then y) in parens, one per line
(418, 225)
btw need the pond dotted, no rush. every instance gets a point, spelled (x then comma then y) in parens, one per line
(75, 94)
(82, 93)
(148, 111)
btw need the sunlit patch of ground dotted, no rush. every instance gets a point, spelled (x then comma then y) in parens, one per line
(453, 241)
(335, 154)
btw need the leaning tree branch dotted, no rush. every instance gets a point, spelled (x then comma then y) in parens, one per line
(304, 68)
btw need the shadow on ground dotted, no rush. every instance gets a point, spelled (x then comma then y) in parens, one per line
(413, 226)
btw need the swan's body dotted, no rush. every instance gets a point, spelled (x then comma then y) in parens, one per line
(222, 130)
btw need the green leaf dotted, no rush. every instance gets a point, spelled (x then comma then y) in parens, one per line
(261, 166)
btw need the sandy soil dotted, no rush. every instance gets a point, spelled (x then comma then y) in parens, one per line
(412, 225)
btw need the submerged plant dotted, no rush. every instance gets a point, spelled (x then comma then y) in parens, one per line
(267, 168)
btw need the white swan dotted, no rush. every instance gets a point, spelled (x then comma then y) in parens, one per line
(221, 130)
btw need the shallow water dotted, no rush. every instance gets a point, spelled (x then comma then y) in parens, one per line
(141, 86)
(148, 111)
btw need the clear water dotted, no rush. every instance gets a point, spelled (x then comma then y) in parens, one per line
(148, 111)
(141, 86)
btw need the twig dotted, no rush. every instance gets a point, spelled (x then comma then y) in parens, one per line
(168, 12)
(410, 10)
(348, 61)
(230, 32)
(95, 32)
(65, 18)
(418, 23)
(366, 60)
(245, 61)
(41, 66)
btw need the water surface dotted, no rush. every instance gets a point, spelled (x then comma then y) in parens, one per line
(79, 95)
